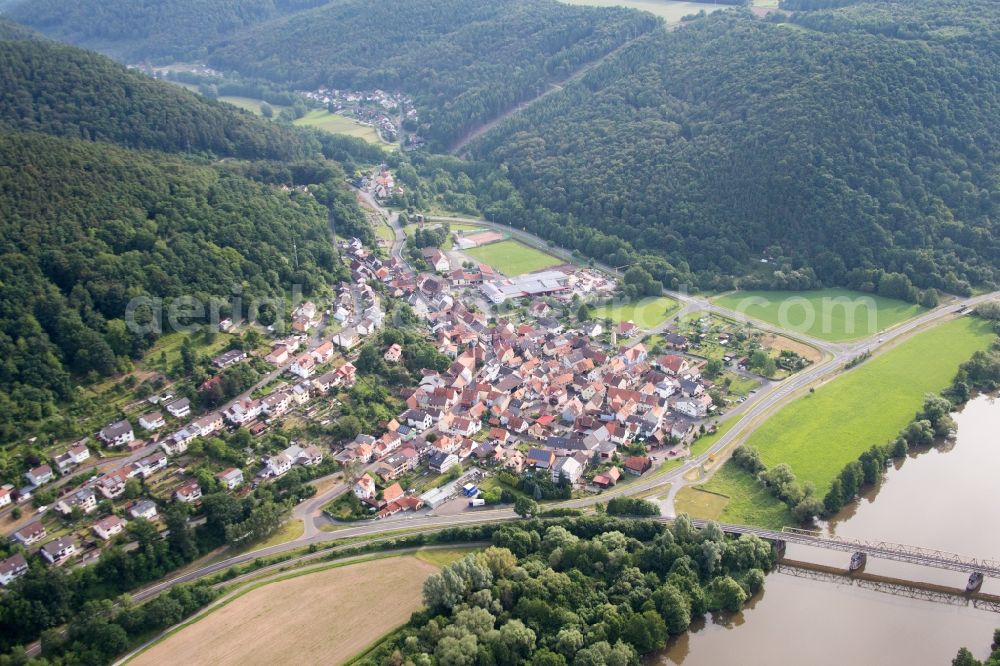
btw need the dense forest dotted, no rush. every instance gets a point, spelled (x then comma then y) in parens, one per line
(12, 30)
(63, 90)
(91, 223)
(87, 227)
(465, 61)
(141, 29)
(590, 592)
(830, 151)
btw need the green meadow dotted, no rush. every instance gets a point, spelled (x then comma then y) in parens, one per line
(646, 313)
(821, 432)
(828, 314)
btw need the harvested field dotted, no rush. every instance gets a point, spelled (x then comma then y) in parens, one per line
(781, 343)
(319, 618)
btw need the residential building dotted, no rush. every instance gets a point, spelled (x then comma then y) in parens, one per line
(113, 485)
(279, 464)
(231, 357)
(75, 455)
(364, 488)
(347, 339)
(59, 550)
(13, 567)
(30, 534)
(152, 464)
(207, 425)
(189, 492)
(323, 353)
(607, 478)
(392, 493)
(85, 499)
(277, 403)
(231, 478)
(243, 412)
(143, 509)
(541, 458)
(279, 355)
(568, 468)
(117, 434)
(637, 465)
(441, 461)
(393, 354)
(109, 527)
(6, 493)
(179, 408)
(39, 475)
(303, 366)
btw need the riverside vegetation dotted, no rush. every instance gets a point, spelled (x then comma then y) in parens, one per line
(592, 591)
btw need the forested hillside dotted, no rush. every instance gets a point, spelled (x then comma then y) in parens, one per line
(140, 29)
(63, 90)
(88, 226)
(11, 30)
(464, 60)
(834, 145)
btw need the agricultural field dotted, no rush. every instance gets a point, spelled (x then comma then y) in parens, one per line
(324, 617)
(513, 258)
(828, 314)
(733, 496)
(336, 123)
(647, 313)
(821, 432)
(671, 11)
(249, 104)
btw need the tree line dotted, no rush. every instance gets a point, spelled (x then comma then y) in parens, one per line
(589, 591)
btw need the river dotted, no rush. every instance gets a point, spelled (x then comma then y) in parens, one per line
(943, 497)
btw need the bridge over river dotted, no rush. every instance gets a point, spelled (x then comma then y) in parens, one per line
(886, 550)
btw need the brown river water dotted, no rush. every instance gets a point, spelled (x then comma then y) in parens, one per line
(945, 497)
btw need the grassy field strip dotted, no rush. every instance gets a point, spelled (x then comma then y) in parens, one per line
(818, 434)
(835, 315)
(513, 258)
(733, 496)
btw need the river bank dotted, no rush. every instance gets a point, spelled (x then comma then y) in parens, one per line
(943, 497)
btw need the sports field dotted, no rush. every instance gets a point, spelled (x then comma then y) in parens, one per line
(513, 258)
(647, 313)
(829, 314)
(819, 433)
(338, 124)
(317, 618)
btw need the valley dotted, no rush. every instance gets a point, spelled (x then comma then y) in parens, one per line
(497, 332)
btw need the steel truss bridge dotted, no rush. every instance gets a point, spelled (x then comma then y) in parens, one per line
(885, 550)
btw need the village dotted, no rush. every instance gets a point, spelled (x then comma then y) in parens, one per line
(386, 112)
(526, 400)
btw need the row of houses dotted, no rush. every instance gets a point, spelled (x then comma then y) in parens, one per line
(568, 396)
